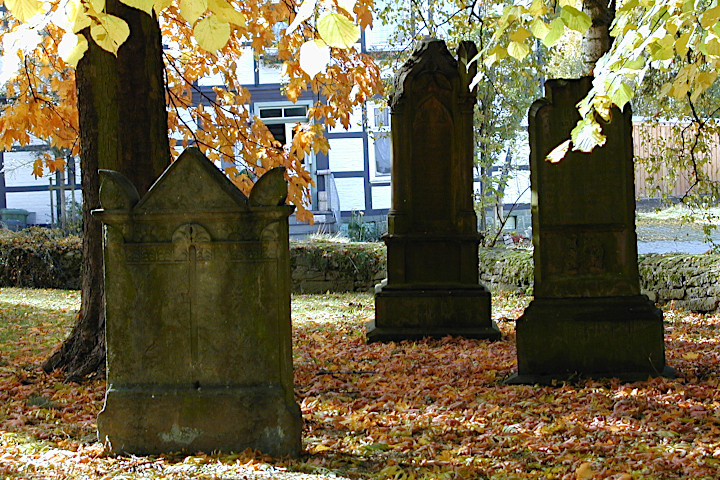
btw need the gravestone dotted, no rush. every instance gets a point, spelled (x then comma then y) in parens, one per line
(432, 287)
(197, 302)
(588, 317)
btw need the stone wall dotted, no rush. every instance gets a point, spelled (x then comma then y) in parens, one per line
(43, 260)
(692, 282)
(319, 267)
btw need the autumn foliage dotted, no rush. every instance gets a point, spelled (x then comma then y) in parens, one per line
(434, 409)
(41, 100)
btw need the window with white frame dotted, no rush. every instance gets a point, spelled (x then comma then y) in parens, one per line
(380, 142)
(281, 119)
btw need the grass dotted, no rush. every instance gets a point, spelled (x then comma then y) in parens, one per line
(434, 409)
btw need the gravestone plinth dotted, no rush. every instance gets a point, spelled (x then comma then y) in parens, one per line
(588, 317)
(432, 287)
(197, 294)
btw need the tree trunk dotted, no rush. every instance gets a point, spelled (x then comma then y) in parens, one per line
(123, 127)
(596, 41)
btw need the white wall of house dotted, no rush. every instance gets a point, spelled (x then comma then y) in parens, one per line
(18, 168)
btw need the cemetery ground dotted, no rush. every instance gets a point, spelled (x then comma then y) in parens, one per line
(434, 409)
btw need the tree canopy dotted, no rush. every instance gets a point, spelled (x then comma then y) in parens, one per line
(43, 41)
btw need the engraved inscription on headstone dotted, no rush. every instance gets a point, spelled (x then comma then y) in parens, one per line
(198, 314)
(588, 317)
(432, 287)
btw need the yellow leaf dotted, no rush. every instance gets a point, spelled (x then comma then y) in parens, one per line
(314, 57)
(691, 356)
(584, 472)
(96, 6)
(622, 95)
(496, 54)
(557, 28)
(72, 49)
(306, 10)
(211, 33)
(681, 46)
(110, 33)
(558, 153)
(703, 81)
(518, 50)
(602, 105)
(539, 29)
(320, 448)
(662, 49)
(23, 10)
(161, 5)
(712, 45)
(587, 135)
(38, 168)
(710, 17)
(226, 12)
(575, 19)
(191, 10)
(537, 8)
(77, 16)
(338, 31)
(144, 5)
(519, 35)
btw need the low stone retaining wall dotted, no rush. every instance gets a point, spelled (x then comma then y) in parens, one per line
(319, 267)
(42, 259)
(692, 282)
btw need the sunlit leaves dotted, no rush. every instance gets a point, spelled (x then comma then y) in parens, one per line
(314, 57)
(192, 9)
(211, 33)
(557, 28)
(621, 95)
(72, 47)
(559, 152)
(306, 10)
(587, 135)
(110, 32)
(495, 55)
(539, 28)
(23, 10)
(226, 12)
(518, 50)
(575, 19)
(206, 38)
(338, 31)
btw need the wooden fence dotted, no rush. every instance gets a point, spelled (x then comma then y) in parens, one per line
(658, 141)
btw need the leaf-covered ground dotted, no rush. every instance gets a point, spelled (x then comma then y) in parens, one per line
(411, 410)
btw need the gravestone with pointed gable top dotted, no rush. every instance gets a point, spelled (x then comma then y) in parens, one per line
(588, 317)
(198, 314)
(432, 287)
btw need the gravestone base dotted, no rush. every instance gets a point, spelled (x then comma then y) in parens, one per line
(148, 421)
(414, 313)
(619, 337)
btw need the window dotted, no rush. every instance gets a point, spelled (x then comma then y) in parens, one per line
(281, 119)
(380, 141)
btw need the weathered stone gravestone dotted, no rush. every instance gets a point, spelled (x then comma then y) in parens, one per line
(588, 316)
(198, 314)
(432, 287)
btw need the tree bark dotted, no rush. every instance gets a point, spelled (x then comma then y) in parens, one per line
(123, 127)
(597, 40)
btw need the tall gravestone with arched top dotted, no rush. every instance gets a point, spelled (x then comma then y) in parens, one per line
(432, 287)
(588, 317)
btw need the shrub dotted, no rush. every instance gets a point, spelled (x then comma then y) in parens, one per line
(40, 258)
